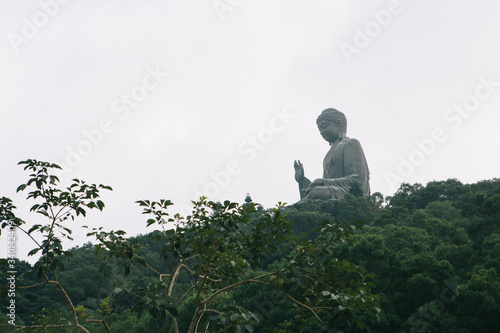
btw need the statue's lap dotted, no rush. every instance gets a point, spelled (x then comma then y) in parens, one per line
(319, 192)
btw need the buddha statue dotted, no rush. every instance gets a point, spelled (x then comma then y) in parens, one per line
(343, 166)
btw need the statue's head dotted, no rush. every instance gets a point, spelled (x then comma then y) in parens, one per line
(337, 118)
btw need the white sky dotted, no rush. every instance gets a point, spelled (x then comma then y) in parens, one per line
(231, 69)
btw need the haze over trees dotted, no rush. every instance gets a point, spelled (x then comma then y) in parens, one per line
(424, 260)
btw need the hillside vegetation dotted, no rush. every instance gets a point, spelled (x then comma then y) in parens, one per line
(424, 260)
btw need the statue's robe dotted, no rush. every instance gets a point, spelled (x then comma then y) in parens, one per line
(344, 165)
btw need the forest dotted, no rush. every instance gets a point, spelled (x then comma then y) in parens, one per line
(426, 259)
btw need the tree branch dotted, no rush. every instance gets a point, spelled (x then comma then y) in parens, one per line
(292, 299)
(34, 240)
(102, 321)
(148, 266)
(254, 279)
(33, 285)
(201, 276)
(23, 327)
(66, 296)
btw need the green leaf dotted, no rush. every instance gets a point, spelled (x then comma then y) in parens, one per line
(143, 203)
(21, 188)
(255, 316)
(309, 292)
(172, 310)
(100, 205)
(33, 252)
(34, 228)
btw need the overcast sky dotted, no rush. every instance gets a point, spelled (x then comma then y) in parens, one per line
(174, 99)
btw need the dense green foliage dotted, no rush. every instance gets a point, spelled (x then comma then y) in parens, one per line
(225, 268)
(434, 250)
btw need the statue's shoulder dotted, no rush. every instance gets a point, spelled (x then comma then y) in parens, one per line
(351, 142)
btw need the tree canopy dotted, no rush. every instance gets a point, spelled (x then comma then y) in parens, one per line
(190, 274)
(424, 260)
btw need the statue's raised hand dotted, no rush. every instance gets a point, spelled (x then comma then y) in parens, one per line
(299, 171)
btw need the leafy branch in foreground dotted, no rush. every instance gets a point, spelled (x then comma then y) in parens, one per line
(58, 206)
(223, 246)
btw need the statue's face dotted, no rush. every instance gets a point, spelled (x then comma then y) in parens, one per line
(328, 131)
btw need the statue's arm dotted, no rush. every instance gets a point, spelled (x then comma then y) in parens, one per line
(300, 177)
(302, 186)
